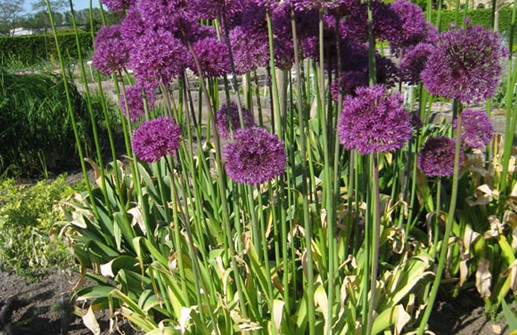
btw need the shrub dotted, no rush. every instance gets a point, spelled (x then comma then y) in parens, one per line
(27, 216)
(480, 17)
(30, 50)
(34, 124)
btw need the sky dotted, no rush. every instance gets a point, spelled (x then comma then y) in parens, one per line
(78, 4)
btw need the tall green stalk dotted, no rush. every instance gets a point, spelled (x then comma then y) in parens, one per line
(511, 108)
(71, 109)
(222, 187)
(448, 227)
(304, 193)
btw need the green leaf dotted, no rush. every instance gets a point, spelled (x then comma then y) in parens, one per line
(510, 317)
(94, 292)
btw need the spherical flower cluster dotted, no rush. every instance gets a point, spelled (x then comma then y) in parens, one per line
(132, 27)
(156, 138)
(135, 102)
(386, 22)
(465, 64)
(214, 9)
(416, 121)
(255, 156)
(161, 14)
(436, 159)
(413, 62)
(414, 28)
(213, 57)
(111, 52)
(476, 129)
(250, 50)
(374, 121)
(223, 120)
(158, 57)
(118, 4)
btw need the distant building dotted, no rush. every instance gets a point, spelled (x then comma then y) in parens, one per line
(21, 32)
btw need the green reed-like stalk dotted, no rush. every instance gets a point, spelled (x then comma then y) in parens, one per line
(70, 107)
(511, 109)
(448, 228)
(304, 190)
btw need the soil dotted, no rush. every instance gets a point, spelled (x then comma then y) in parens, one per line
(45, 308)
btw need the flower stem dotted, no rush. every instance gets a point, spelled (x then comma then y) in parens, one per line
(306, 220)
(448, 229)
(375, 242)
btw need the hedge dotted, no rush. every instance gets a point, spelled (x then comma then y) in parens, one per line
(478, 17)
(33, 49)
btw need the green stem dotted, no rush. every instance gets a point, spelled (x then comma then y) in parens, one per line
(304, 194)
(71, 110)
(375, 242)
(448, 228)
(222, 187)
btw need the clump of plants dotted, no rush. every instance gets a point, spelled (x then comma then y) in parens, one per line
(29, 243)
(338, 210)
(35, 124)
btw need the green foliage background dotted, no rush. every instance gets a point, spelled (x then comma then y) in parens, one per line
(34, 49)
(27, 217)
(36, 132)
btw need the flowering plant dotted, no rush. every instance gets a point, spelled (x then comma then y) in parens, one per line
(313, 219)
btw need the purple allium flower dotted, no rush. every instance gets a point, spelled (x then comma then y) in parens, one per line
(465, 64)
(111, 52)
(133, 26)
(413, 62)
(374, 121)
(339, 8)
(213, 56)
(414, 27)
(118, 4)
(476, 129)
(355, 70)
(415, 120)
(161, 14)
(386, 22)
(156, 138)
(250, 50)
(135, 102)
(255, 156)
(436, 159)
(223, 121)
(213, 9)
(158, 57)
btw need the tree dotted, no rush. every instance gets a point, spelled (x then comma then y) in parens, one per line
(55, 5)
(10, 13)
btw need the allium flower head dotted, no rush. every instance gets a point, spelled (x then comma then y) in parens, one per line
(133, 26)
(374, 121)
(416, 121)
(156, 138)
(476, 129)
(414, 27)
(118, 4)
(255, 156)
(111, 52)
(386, 22)
(158, 57)
(213, 56)
(223, 120)
(465, 64)
(436, 159)
(250, 49)
(135, 102)
(213, 9)
(161, 14)
(413, 62)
